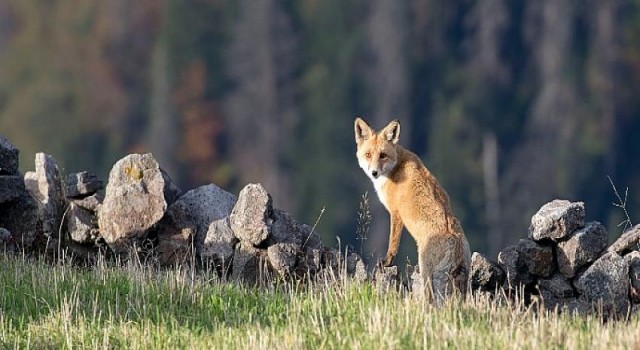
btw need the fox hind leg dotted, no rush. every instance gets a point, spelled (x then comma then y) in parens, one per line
(440, 267)
(425, 273)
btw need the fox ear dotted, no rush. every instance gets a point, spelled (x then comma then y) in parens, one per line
(391, 132)
(362, 129)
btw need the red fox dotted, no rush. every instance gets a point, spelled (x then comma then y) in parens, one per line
(414, 198)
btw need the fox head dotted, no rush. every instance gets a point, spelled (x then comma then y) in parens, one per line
(377, 152)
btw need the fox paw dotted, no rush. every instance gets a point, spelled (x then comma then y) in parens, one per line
(388, 261)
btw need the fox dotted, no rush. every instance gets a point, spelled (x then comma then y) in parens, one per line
(415, 199)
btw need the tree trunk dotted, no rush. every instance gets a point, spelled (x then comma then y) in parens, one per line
(161, 136)
(536, 171)
(261, 110)
(492, 193)
(386, 73)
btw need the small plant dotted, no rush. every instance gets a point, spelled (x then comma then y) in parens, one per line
(622, 204)
(313, 229)
(364, 220)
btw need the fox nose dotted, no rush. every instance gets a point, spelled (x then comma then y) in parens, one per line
(374, 173)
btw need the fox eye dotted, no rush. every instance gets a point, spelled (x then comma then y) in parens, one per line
(368, 155)
(383, 155)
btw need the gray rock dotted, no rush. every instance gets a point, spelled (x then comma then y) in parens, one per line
(310, 238)
(558, 286)
(31, 182)
(578, 306)
(338, 264)
(174, 243)
(416, 283)
(282, 257)
(82, 184)
(171, 191)
(252, 216)
(333, 259)
(81, 225)
(629, 240)
(218, 244)
(7, 243)
(537, 258)
(11, 186)
(8, 158)
(134, 201)
(309, 263)
(5, 235)
(606, 281)
(556, 219)
(485, 275)
(387, 278)
(356, 267)
(248, 263)
(20, 216)
(633, 261)
(516, 271)
(284, 229)
(45, 185)
(190, 217)
(202, 206)
(583, 247)
(90, 203)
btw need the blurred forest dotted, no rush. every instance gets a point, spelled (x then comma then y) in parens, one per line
(509, 103)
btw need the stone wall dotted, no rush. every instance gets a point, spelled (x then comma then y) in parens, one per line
(566, 263)
(141, 211)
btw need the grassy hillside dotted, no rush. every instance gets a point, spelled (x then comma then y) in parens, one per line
(44, 306)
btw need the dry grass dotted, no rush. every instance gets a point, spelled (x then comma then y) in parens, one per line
(139, 307)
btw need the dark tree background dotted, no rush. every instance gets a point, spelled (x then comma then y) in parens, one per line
(510, 103)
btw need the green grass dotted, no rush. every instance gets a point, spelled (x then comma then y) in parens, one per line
(134, 307)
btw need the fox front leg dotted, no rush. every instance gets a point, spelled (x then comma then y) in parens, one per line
(394, 238)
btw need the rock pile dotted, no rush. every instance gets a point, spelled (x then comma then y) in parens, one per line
(18, 209)
(141, 210)
(136, 199)
(566, 264)
(45, 186)
(84, 193)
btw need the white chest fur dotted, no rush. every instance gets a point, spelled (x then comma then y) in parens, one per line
(379, 185)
